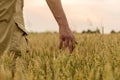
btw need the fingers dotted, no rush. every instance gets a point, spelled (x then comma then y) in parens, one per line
(67, 43)
(61, 44)
(71, 47)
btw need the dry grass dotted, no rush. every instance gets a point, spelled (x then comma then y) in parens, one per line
(96, 57)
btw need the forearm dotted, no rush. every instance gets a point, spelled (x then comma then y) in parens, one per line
(58, 12)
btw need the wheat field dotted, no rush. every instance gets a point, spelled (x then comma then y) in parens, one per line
(96, 57)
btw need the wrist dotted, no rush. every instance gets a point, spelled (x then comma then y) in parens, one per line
(64, 28)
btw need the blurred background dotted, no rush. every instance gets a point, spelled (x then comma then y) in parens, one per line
(82, 15)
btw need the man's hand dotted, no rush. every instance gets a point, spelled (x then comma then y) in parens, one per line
(67, 40)
(66, 37)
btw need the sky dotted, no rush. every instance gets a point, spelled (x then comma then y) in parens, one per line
(81, 15)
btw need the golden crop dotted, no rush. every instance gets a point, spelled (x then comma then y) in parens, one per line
(96, 57)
